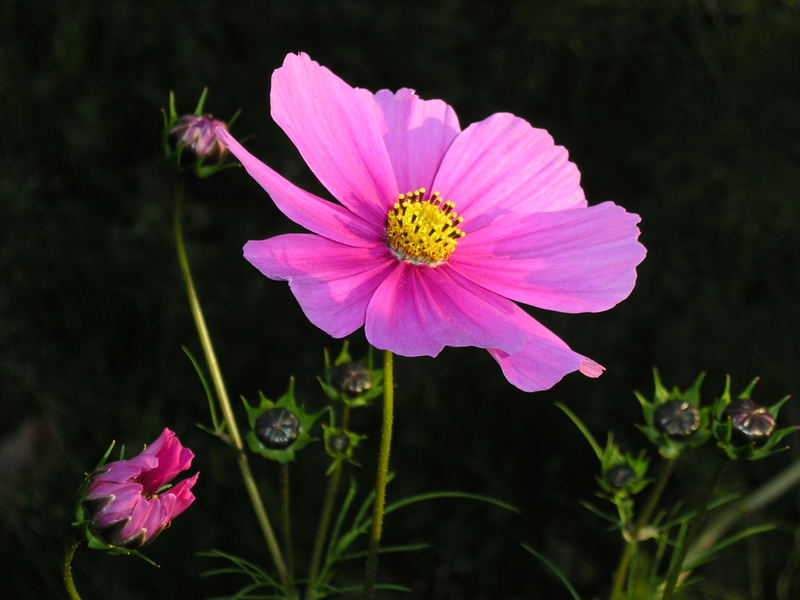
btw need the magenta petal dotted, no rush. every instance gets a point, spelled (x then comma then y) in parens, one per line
(317, 215)
(338, 131)
(579, 260)
(417, 311)
(159, 516)
(544, 360)
(183, 495)
(124, 470)
(172, 459)
(332, 282)
(417, 133)
(502, 164)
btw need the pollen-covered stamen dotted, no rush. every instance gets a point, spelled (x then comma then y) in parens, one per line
(423, 229)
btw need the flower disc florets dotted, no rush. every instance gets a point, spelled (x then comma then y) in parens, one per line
(422, 230)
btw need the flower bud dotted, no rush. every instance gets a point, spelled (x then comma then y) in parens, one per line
(124, 503)
(751, 422)
(197, 134)
(277, 428)
(677, 418)
(617, 477)
(351, 378)
(339, 443)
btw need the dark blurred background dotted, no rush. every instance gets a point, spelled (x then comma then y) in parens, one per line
(685, 112)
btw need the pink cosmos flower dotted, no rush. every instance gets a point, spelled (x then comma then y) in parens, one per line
(123, 499)
(197, 134)
(439, 229)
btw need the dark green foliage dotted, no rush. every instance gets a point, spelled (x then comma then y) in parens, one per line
(685, 112)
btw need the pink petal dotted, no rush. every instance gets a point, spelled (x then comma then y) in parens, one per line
(544, 360)
(124, 470)
(172, 459)
(332, 282)
(419, 310)
(313, 213)
(579, 260)
(417, 133)
(125, 499)
(183, 495)
(338, 131)
(503, 164)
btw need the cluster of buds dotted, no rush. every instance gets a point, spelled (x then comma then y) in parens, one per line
(675, 420)
(281, 428)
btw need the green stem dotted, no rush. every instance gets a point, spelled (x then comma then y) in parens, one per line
(222, 397)
(69, 584)
(285, 515)
(371, 571)
(770, 491)
(325, 517)
(322, 531)
(677, 567)
(641, 521)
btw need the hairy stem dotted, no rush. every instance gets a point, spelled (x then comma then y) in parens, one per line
(371, 571)
(69, 584)
(641, 521)
(222, 397)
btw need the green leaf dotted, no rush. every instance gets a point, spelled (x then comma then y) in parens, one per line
(198, 111)
(582, 428)
(556, 571)
(449, 494)
(709, 554)
(209, 396)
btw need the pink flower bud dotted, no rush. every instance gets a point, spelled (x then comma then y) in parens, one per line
(197, 134)
(123, 499)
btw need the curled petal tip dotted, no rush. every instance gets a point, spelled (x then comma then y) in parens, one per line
(590, 368)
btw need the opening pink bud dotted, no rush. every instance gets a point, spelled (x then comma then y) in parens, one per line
(197, 134)
(124, 501)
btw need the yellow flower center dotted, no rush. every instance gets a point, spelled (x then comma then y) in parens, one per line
(423, 229)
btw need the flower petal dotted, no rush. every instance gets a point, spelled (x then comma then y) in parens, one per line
(544, 360)
(172, 459)
(418, 311)
(332, 282)
(183, 495)
(503, 164)
(124, 470)
(579, 260)
(338, 131)
(317, 215)
(417, 133)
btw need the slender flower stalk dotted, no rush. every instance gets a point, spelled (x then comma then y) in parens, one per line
(371, 571)
(69, 584)
(642, 520)
(322, 530)
(770, 491)
(325, 516)
(222, 397)
(675, 571)
(286, 515)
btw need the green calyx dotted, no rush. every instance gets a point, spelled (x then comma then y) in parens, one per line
(304, 422)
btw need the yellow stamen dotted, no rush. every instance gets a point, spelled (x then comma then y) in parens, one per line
(423, 229)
